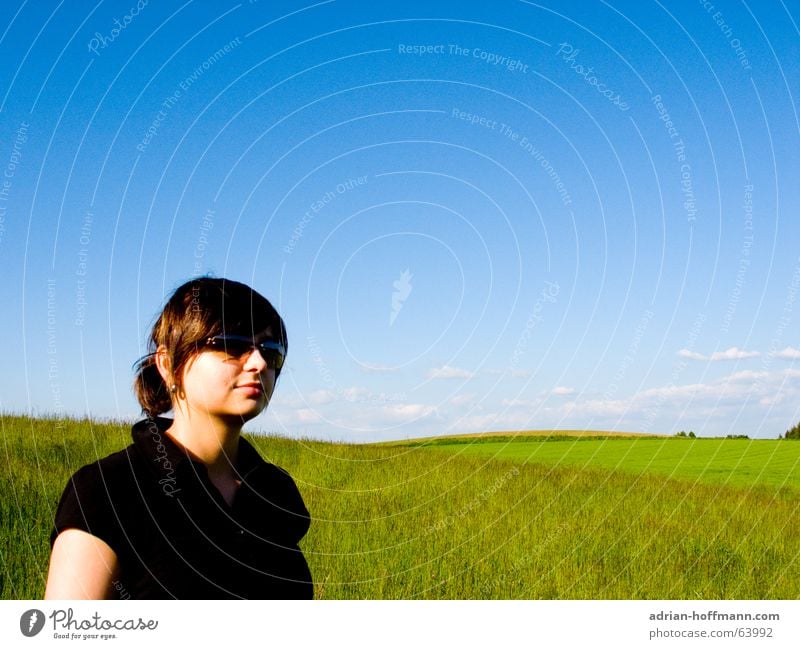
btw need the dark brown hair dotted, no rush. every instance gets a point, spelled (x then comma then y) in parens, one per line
(200, 308)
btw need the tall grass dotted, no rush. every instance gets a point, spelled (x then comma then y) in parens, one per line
(400, 522)
(731, 462)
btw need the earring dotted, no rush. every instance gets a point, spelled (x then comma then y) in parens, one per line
(173, 388)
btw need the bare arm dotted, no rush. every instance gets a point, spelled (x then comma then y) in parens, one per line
(82, 566)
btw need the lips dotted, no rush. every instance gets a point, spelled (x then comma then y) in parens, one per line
(254, 389)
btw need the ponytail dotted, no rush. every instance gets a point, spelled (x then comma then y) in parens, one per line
(149, 387)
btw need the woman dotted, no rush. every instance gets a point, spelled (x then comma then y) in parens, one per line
(190, 510)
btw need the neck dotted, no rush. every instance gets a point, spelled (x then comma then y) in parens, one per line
(212, 441)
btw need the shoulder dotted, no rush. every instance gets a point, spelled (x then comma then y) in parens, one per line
(275, 483)
(278, 499)
(111, 470)
(277, 474)
(92, 495)
(260, 473)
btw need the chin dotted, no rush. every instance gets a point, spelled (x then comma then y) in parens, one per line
(252, 414)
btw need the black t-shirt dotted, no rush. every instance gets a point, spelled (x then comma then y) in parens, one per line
(173, 533)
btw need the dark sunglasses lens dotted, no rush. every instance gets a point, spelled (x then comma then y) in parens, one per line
(272, 357)
(232, 346)
(238, 347)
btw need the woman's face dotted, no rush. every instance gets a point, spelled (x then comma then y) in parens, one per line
(222, 385)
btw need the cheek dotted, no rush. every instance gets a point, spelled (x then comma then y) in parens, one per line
(269, 384)
(205, 379)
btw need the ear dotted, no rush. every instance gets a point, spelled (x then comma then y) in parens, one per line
(163, 364)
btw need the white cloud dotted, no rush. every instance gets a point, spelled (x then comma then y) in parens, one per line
(789, 353)
(377, 369)
(303, 400)
(593, 408)
(356, 394)
(732, 353)
(407, 412)
(562, 391)
(746, 375)
(518, 403)
(524, 374)
(307, 416)
(283, 416)
(773, 400)
(732, 389)
(447, 372)
(463, 399)
(710, 400)
(321, 397)
(492, 422)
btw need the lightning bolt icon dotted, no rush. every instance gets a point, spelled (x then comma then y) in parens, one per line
(32, 621)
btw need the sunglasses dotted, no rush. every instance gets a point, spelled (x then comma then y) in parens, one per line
(272, 351)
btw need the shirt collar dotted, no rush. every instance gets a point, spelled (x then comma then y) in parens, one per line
(150, 438)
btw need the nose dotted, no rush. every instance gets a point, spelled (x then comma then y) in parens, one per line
(254, 361)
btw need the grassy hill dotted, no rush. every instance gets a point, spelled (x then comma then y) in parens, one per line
(412, 521)
(520, 435)
(731, 462)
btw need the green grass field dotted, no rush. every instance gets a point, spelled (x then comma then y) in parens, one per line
(442, 521)
(729, 462)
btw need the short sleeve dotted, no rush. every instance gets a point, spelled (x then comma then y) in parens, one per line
(86, 505)
(290, 503)
(282, 514)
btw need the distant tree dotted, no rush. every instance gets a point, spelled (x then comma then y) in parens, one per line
(737, 437)
(793, 433)
(691, 434)
(681, 434)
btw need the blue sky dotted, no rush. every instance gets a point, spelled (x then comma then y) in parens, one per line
(472, 217)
